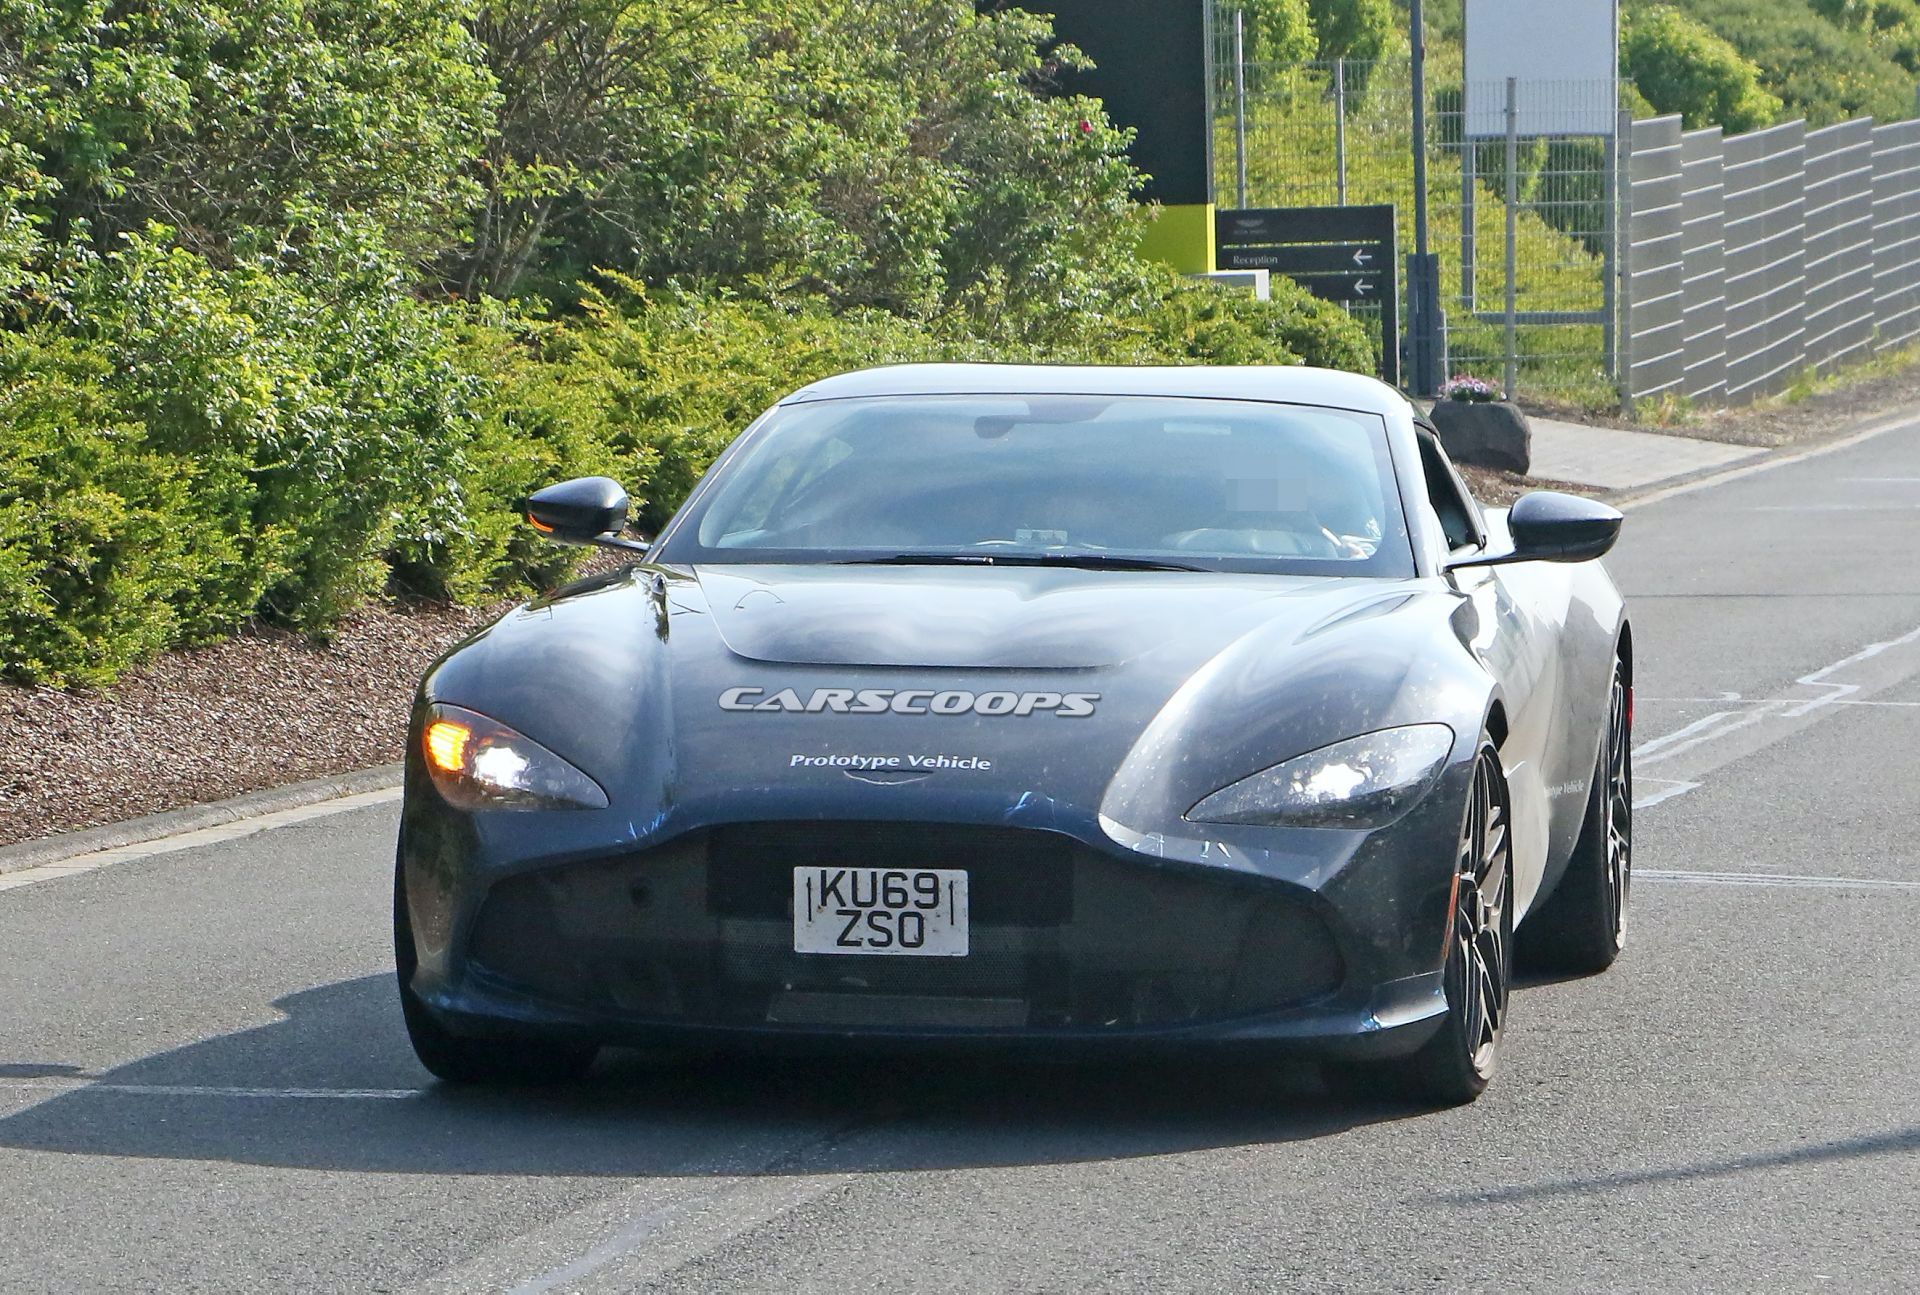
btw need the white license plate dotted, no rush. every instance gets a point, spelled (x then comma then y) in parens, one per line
(905, 912)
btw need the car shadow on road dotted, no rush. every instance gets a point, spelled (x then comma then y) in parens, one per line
(333, 1086)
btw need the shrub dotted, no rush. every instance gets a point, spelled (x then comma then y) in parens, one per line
(98, 541)
(1681, 66)
(543, 414)
(866, 151)
(328, 407)
(1854, 15)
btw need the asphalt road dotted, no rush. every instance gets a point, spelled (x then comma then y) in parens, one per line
(204, 1085)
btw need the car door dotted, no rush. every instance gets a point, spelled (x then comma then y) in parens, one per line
(1513, 644)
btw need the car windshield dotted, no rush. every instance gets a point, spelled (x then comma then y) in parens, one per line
(1098, 481)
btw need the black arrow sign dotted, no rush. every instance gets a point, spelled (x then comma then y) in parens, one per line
(1350, 288)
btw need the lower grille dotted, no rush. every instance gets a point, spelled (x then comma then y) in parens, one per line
(700, 930)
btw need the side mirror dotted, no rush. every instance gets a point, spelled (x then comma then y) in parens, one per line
(586, 510)
(1548, 526)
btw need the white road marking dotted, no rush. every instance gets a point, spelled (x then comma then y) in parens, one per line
(653, 1245)
(1818, 678)
(1647, 749)
(81, 1084)
(659, 1223)
(1774, 879)
(1764, 722)
(194, 840)
(1668, 790)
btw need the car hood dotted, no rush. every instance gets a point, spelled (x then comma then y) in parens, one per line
(998, 618)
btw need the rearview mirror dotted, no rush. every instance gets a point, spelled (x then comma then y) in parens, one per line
(1548, 526)
(586, 510)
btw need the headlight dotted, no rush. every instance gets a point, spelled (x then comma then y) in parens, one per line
(480, 763)
(1364, 782)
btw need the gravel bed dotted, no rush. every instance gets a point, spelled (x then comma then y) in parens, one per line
(1498, 488)
(262, 709)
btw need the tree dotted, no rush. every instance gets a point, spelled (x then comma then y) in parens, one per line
(1276, 31)
(1820, 70)
(871, 152)
(1362, 30)
(242, 125)
(1681, 66)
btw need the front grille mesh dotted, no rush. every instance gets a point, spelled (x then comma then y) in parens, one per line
(700, 930)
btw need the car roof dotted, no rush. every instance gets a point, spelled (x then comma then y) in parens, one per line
(1291, 384)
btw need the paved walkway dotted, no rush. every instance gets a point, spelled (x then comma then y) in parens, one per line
(1611, 459)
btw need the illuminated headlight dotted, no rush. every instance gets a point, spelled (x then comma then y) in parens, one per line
(1364, 782)
(480, 763)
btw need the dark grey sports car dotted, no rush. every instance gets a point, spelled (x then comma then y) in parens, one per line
(1066, 706)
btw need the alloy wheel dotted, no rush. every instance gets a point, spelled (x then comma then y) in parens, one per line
(1480, 959)
(1619, 806)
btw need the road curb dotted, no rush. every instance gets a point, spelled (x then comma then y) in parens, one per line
(194, 818)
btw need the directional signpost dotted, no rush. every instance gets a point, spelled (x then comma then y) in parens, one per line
(1340, 254)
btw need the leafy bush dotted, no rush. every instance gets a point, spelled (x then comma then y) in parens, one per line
(329, 408)
(1361, 31)
(96, 545)
(1681, 66)
(246, 121)
(1854, 15)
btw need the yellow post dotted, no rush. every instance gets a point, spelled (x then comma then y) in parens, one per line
(1181, 236)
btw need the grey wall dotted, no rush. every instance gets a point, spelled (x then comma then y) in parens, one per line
(1751, 259)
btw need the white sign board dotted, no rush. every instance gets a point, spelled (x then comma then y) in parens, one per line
(1565, 56)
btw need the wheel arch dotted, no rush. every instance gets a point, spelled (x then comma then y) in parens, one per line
(1496, 723)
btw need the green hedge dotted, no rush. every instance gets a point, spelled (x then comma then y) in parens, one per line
(191, 448)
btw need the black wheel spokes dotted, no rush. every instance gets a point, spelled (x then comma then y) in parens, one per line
(1619, 808)
(1479, 923)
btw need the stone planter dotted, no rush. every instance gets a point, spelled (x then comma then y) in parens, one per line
(1488, 434)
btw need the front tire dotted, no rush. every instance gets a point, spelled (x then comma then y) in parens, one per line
(1582, 926)
(1456, 1064)
(459, 1059)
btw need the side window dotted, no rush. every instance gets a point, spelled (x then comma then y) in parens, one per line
(1459, 515)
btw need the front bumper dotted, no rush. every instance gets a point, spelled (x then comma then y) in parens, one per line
(1073, 946)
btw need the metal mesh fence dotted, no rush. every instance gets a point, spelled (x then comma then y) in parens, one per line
(1524, 224)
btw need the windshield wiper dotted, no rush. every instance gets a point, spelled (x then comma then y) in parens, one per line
(1082, 561)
